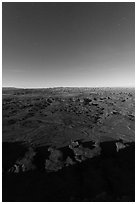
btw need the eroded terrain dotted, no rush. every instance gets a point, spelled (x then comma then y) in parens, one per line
(68, 144)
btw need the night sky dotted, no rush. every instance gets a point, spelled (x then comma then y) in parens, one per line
(68, 44)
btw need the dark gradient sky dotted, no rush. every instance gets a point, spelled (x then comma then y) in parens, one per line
(68, 44)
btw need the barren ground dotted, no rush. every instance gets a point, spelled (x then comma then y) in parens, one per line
(42, 118)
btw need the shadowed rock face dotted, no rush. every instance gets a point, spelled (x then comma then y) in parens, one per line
(56, 160)
(11, 152)
(24, 164)
(120, 145)
(54, 163)
(108, 176)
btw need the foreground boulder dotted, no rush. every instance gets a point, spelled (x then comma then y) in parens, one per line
(69, 161)
(24, 164)
(120, 146)
(81, 153)
(54, 163)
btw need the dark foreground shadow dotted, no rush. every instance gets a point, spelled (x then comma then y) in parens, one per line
(11, 152)
(109, 177)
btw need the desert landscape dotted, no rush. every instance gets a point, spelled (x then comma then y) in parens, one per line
(68, 144)
(68, 101)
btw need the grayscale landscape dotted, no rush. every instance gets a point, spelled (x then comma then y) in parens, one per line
(68, 102)
(78, 141)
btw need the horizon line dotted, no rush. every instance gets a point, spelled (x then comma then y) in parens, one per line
(68, 87)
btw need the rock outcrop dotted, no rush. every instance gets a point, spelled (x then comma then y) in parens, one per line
(24, 164)
(54, 163)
